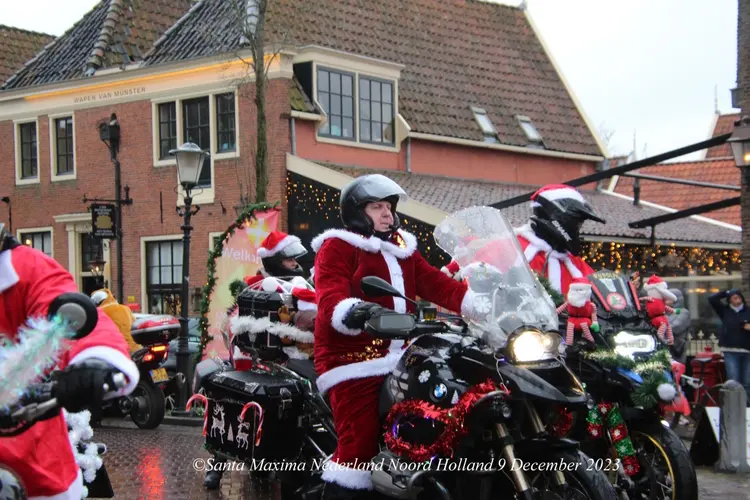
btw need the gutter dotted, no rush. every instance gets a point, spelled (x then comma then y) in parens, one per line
(504, 147)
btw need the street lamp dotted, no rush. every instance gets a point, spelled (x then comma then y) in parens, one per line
(740, 142)
(190, 158)
(97, 270)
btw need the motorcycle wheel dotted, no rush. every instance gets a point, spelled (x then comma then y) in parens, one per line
(151, 405)
(585, 483)
(668, 467)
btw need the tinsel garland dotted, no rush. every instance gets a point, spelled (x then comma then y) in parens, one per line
(451, 418)
(618, 432)
(563, 422)
(242, 219)
(34, 351)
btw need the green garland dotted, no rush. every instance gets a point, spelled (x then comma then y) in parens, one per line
(557, 297)
(247, 214)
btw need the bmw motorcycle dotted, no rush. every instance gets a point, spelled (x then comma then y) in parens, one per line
(38, 403)
(666, 470)
(462, 417)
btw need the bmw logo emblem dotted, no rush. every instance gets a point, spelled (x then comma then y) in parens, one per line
(439, 391)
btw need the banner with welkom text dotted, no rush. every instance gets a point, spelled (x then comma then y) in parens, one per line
(239, 258)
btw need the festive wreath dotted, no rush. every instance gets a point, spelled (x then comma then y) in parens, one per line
(451, 418)
(247, 214)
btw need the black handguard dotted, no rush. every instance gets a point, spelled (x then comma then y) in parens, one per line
(361, 312)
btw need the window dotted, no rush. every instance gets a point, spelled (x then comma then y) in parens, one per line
(529, 129)
(336, 95)
(197, 129)
(163, 276)
(64, 145)
(375, 111)
(167, 128)
(41, 240)
(225, 123)
(488, 129)
(29, 164)
(92, 250)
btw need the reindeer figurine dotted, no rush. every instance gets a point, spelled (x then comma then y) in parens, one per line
(241, 435)
(218, 423)
(581, 311)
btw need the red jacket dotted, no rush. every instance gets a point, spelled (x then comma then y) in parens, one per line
(343, 259)
(42, 456)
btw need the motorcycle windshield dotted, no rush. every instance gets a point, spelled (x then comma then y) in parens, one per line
(509, 295)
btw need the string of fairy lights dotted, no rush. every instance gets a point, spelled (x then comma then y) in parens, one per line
(315, 207)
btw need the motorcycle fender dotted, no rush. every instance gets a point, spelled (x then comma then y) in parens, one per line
(632, 414)
(530, 385)
(539, 448)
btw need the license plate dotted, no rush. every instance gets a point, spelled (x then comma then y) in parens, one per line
(159, 375)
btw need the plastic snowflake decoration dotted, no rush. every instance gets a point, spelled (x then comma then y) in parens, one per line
(595, 433)
(616, 433)
(455, 398)
(629, 468)
(424, 376)
(482, 304)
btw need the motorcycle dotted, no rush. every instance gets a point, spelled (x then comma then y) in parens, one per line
(665, 468)
(461, 416)
(29, 403)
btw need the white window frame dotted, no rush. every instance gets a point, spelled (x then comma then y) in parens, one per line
(355, 142)
(45, 229)
(144, 278)
(202, 195)
(53, 148)
(489, 135)
(20, 181)
(525, 119)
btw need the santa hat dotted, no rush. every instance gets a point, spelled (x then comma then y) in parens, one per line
(580, 284)
(305, 299)
(275, 243)
(657, 284)
(554, 192)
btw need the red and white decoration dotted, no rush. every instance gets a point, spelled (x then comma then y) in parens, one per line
(555, 192)
(656, 307)
(581, 311)
(275, 243)
(79, 429)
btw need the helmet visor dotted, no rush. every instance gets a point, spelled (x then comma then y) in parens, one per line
(375, 188)
(293, 251)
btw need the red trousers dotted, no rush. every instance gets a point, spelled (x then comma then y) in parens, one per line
(355, 415)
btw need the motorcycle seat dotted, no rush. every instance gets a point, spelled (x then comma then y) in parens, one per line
(303, 367)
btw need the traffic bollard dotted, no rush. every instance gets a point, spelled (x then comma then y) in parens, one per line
(733, 429)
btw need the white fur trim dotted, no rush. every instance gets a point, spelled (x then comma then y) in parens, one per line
(662, 285)
(116, 359)
(289, 240)
(75, 491)
(667, 392)
(294, 353)
(362, 369)
(397, 281)
(306, 306)
(371, 244)
(445, 271)
(347, 477)
(8, 275)
(340, 312)
(253, 326)
(536, 245)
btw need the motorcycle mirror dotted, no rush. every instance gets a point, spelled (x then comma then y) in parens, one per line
(372, 286)
(78, 310)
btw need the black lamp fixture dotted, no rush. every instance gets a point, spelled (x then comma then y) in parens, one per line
(740, 142)
(97, 270)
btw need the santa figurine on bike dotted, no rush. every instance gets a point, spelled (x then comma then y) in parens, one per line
(581, 311)
(657, 307)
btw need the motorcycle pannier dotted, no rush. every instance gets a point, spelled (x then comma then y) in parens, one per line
(281, 401)
(261, 304)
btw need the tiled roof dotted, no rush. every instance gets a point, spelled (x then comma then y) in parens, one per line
(450, 194)
(18, 46)
(679, 197)
(456, 53)
(724, 125)
(113, 33)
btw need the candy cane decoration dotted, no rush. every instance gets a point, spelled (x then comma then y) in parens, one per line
(204, 400)
(259, 412)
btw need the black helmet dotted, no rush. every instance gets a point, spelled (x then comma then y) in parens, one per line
(367, 189)
(290, 248)
(559, 213)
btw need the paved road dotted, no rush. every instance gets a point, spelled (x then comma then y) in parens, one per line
(158, 464)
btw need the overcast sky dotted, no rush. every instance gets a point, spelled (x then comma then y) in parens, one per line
(643, 67)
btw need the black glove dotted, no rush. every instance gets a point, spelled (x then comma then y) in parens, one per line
(81, 385)
(360, 313)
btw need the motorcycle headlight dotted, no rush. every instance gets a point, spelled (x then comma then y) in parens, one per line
(533, 345)
(627, 344)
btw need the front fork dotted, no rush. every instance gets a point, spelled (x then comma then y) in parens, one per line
(519, 478)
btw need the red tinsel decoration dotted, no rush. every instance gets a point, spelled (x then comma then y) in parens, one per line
(563, 423)
(631, 465)
(451, 418)
(595, 430)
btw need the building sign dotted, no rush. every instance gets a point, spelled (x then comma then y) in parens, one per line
(103, 221)
(107, 95)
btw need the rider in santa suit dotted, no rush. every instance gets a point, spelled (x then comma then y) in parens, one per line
(42, 456)
(351, 363)
(551, 240)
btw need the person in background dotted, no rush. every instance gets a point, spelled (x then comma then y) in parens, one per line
(734, 337)
(121, 315)
(681, 327)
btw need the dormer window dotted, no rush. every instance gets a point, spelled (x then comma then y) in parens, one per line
(488, 129)
(529, 129)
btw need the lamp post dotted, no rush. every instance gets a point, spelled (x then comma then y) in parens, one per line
(740, 142)
(189, 159)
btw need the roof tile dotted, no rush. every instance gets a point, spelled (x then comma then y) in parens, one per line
(18, 46)
(724, 125)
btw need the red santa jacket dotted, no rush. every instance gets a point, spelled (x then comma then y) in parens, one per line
(343, 259)
(581, 315)
(42, 456)
(560, 269)
(656, 310)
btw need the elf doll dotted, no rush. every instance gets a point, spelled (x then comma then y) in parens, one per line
(657, 307)
(581, 311)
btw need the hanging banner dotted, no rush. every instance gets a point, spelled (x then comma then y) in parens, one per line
(103, 221)
(239, 258)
